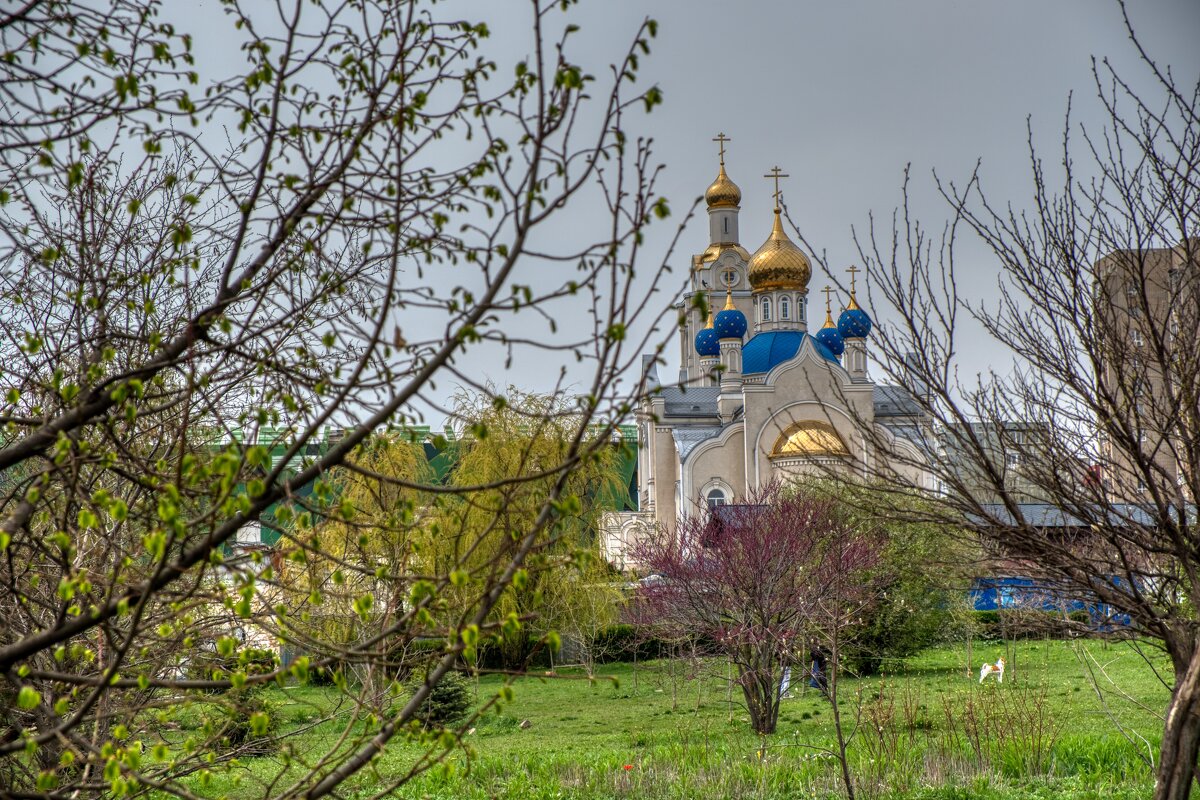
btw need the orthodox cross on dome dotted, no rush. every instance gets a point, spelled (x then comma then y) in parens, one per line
(776, 173)
(853, 270)
(721, 139)
(828, 291)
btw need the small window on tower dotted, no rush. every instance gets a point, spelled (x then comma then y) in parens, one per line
(726, 222)
(766, 309)
(784, 309)
(803, 311)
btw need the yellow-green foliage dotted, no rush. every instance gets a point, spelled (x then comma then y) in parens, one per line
(392, 531)
(517, 449)
(358, 564)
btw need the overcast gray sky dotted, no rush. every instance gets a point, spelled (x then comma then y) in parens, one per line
(843, 95)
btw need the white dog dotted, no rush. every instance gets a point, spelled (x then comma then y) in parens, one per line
(988, 669)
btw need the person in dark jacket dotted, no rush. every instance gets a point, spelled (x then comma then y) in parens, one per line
(818, 673)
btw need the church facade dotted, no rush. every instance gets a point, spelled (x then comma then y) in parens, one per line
(763, 396)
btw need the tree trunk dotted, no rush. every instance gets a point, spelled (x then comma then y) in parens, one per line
(764, 714)
(1181, 733)
(843, 760)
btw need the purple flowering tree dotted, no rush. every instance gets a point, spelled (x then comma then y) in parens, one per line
(761, 583)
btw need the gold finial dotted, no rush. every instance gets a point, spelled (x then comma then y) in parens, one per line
(853, 270)
(722, 193)
(828, 307)
(729, 306)
(721, 139)
(710, 324)
(776, 173)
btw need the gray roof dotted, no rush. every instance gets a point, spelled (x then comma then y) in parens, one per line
(691, 401)
(910, 431)
(895, 401)
(1045, 515)
(686, 439)
(650, 370)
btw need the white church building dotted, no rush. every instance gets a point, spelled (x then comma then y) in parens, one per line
(761, 396)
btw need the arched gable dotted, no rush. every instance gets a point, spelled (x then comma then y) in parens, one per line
(721, 457)
(810, 415)
(808, 356)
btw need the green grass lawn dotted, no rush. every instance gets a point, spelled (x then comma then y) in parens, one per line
(924, 730)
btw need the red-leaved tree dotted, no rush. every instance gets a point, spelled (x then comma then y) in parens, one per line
(760, 582)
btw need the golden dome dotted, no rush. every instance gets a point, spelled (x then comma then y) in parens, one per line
(810, 438)
(723, 193)
(779, 264)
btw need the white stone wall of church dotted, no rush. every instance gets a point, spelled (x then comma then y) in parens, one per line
(719, 459)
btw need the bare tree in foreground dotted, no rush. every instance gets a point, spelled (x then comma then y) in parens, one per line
(1099, 303)
(204, 267)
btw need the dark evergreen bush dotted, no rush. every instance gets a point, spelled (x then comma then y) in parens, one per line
(448, 701)
(249, 723)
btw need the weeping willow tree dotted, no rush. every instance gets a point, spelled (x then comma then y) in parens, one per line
(390, 517)
(529, 435)
(341, 580)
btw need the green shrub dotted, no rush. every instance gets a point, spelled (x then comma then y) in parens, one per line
(208, 664)
(913, 614)
(1027, 623)
(324, 676)
(988, 617)
(625, 642)
(532, 654)
(249, 724)
(448, 702)
(256, 661)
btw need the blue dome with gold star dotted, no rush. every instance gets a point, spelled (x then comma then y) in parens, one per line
(854, 323)
(708, 343)
(832, 339)
(731, 323)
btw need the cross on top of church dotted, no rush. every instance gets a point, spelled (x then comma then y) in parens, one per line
(721, 139)
(776, 173)
(853, 270)
(828, 291)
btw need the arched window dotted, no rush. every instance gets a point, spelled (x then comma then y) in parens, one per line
(784, 308)
(802, 315)
(766, 309)
(716, 498)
